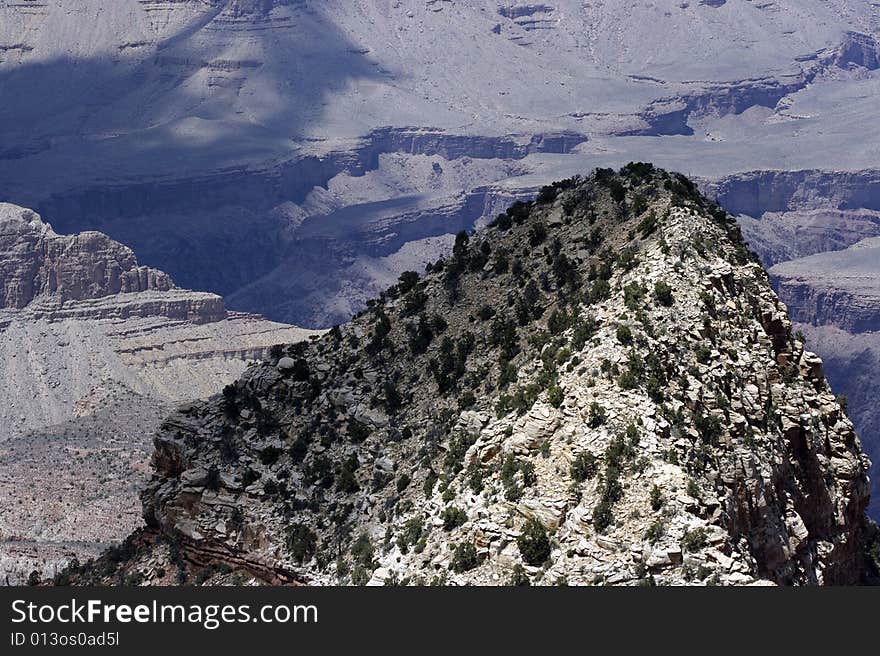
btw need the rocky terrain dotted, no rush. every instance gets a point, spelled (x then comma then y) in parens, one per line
(852, 361)
(816, 232)
(95, 350)
(834, 298)
(226, 141)
(229, 141)
(600, 388)
(297, 156)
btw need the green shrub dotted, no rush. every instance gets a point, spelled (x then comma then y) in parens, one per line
(420, 336)
(537, 234)
(346, 481)
(624, 335)
(458, 446)
(464, 558)
(414, 302)
(559, 322)
(475, 477)
(533, 543)
(694, 540)
(430, 482)
(633, 295)
(656, 498)
(610, 489)
(584, 330)
(703, 354)
(299, 448)
(709, 426)
(403, 482)
(584, 467)
(357, 432)
(507, 373)
(467, 400)
(410, 535)
(301, 542)
(134, 579)
(453, 518)
(597, 415)
(407, 281)
(212, 481)
(655, 531)
(380, 333)
(618, 191)
(626, 258)
(269, 456)
(663, 293)
(547, 194)
(362, 551)
(249, 477)
(360, 575)
(602, 515)
(639, 204)
(600, 291)
(519, 577)
(628, 380)
(648, 225)
(555, 396)
(393, 400)
(527, 471)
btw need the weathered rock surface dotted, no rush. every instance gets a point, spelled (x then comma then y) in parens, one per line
(852, 364)
(600, 389)
(189, 131)
(839, 288)
(38, 262)
(834, 298)
(95, 349)
(818, 231)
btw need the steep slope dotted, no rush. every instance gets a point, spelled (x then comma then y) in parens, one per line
(817, 233)
(204, 133)
(80, 319)
(834, 299)
(600, 388)
(852, 364)
(96, 349)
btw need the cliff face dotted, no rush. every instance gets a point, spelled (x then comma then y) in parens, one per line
(95, 350)
(187, 129)
(834, 298)
(38, 262)
(839, 288)
(602, 388)
(817, 231)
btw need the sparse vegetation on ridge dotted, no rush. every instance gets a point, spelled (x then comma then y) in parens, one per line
(548, 392)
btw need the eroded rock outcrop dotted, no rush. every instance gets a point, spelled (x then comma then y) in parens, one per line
(602, 388)
(38, 262)
(95, 350)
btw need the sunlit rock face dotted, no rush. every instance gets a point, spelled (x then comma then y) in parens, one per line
(95, 350)
(229, 142)
(601, 388)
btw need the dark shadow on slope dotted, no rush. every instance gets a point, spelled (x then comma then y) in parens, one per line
(149, 148)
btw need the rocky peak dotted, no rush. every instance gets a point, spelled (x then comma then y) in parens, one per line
(38, 262)
(86, 275)
(600, 388)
